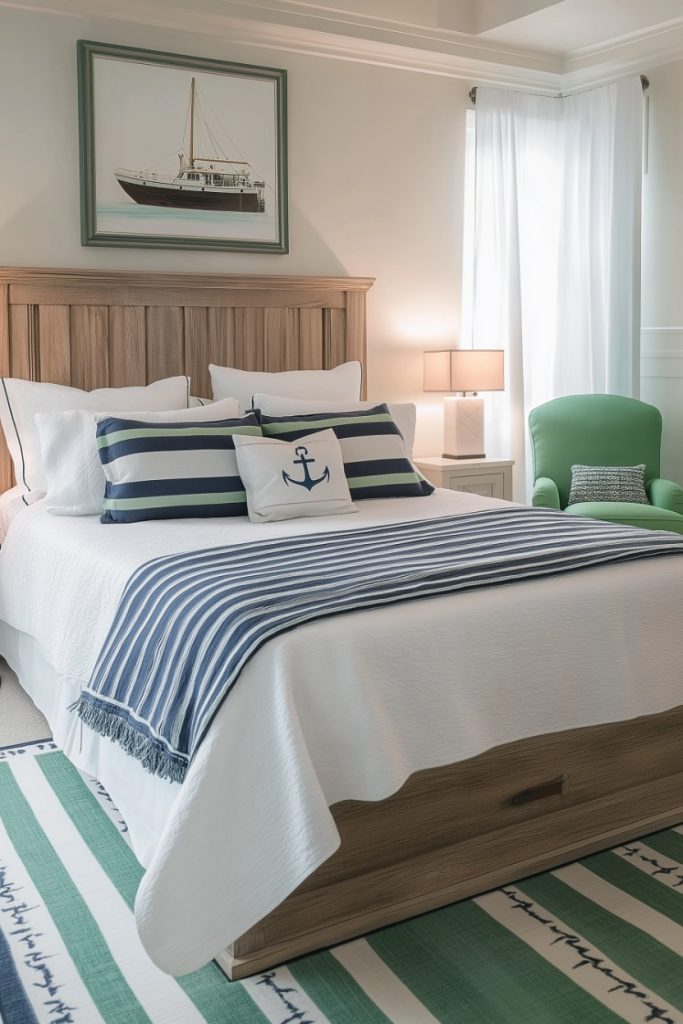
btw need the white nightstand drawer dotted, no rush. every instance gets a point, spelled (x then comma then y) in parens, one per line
(492, 478)
(491, 485)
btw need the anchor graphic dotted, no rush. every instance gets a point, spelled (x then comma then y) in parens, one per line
(308, 482)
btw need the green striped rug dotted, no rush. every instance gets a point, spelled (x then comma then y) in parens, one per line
(597, 942)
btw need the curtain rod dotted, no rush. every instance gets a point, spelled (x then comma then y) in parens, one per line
(644, 81)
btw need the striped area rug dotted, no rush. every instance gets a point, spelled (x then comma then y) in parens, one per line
(596, 942)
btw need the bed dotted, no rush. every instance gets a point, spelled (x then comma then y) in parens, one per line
(415, 754)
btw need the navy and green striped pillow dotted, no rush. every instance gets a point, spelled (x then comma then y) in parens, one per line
(375, 458)
(171, 470)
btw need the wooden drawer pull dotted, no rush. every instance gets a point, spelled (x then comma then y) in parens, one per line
(556, 787)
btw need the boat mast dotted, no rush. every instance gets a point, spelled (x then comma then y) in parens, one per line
(192, 101)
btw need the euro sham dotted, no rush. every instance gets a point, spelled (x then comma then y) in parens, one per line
(342, 384)
(21, 400)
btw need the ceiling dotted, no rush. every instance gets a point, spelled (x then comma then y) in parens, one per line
(573, 25)
(555, 27)
(549, 45)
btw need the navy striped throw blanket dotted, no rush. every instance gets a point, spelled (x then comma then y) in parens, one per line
(187, 624)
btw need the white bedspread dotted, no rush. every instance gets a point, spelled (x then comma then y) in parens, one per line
(11, 503)
(346, 707)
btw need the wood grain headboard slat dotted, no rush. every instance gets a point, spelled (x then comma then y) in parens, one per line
(221, 335)
(20, 352)
(311, 339)
(197, 348)
(89, 347)
(54, 343)
(92, 328)
(127, 346)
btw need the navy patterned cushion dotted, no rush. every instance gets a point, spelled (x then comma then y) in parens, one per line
(608, 483)
(171, 470)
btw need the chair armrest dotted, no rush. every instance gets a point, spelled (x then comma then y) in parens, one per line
(665, 494)
(546, 494)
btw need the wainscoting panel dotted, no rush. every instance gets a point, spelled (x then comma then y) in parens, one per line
(661, 361)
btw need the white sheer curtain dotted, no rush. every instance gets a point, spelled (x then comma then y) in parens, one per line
(557, 249)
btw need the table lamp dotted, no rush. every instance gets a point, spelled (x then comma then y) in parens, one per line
(467, 370)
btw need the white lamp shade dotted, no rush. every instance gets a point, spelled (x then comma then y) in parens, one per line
(465, 369)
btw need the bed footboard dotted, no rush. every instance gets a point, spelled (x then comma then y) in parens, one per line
(452, 832)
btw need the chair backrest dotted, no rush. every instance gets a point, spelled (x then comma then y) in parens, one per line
(593, 430)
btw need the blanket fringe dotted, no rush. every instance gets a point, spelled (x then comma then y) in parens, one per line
(108, 723)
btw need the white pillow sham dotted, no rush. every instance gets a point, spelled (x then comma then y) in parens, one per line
(291, 480)
(20, 400)
(402, 413)
(75, 478)
(342, 384)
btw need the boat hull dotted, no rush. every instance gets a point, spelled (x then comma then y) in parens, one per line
(191, 199)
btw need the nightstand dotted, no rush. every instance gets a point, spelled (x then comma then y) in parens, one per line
(490, 477)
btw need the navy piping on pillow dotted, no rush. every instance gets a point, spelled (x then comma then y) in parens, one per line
(21, 448)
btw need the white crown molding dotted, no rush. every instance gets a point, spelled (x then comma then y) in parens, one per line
(642, 52)
(294, 26)
(644, 38)
(289, 22)
(410, 48)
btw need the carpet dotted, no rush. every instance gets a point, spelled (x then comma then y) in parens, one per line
(596, 942)
(20, 719)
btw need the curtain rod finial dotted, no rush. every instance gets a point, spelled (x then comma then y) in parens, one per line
(645, 82)
(473, 95)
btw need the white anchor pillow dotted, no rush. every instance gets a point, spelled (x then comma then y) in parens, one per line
(293, 479)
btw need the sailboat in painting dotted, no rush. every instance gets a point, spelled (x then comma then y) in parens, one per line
(202, 182)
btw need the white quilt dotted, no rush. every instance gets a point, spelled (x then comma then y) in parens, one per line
(342, 708)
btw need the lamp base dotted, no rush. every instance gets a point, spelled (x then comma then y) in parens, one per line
(463, 434)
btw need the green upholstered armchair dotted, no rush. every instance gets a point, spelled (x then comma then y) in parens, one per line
(602, 430)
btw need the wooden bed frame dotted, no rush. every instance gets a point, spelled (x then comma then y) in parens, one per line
(450, 832)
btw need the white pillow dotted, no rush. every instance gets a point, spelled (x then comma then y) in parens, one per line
(342, 384)
(403, 413)
(293, 479)
(20, 400)
(75, 478)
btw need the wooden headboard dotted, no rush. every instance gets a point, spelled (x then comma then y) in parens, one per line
(94, 329)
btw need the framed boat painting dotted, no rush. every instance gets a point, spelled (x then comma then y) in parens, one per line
(181, 152)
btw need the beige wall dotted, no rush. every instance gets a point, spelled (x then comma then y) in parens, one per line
(662, 297)
(376, 163)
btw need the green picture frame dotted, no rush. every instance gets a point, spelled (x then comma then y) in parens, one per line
(129, 103)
